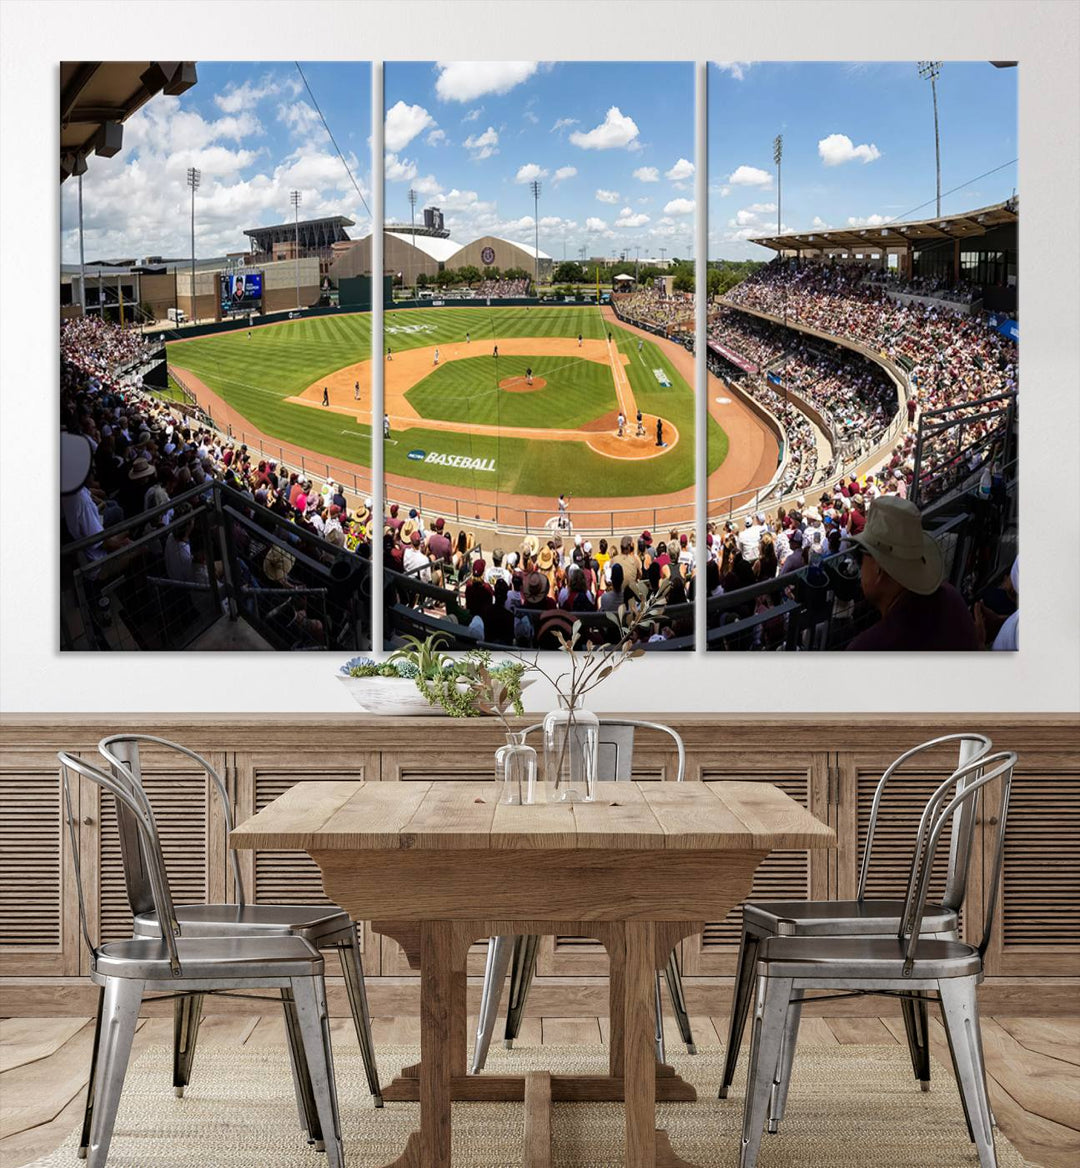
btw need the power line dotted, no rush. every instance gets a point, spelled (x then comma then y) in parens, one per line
(334, 141)
(985, 174)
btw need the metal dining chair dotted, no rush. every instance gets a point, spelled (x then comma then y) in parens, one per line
(323, 926)
(909, 963)
(169, 964)
(863, 916)
(517, 954)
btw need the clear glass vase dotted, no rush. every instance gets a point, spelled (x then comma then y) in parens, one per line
(571, 738)
(515, 770)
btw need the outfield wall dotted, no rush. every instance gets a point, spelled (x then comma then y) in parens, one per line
(190, 332)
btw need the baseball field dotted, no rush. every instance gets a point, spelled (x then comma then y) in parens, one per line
(460, 405)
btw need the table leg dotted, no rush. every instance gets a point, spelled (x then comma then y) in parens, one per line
(639, 1051)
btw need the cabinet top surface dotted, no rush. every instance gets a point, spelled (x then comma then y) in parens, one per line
(361, 816)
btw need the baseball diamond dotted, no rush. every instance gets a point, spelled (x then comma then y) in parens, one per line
(488, 432)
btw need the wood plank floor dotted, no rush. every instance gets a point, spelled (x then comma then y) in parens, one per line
(1034, 1067)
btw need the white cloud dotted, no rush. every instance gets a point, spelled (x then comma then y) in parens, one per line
(868, 220)
(481, 146)
(737, 69)
(682, 169)
(603, 196)
(403, 123)
(628, 219)
(468, 80)
(679, 207)
(837, 149)
(750, 176)
(616, 130)
(819, 223)
(563, 123)
(473, 114)
(563, 173)
(556, 223)
(436, 137)
(762, 208)
(428, 186)
(136, 204)
(529, 116)
(302, 120)
(594, 224)
(744, 218)
(647, 174)
(399, 169)
(529, 172)
(237, 98)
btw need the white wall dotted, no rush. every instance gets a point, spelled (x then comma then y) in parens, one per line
(1044, 675)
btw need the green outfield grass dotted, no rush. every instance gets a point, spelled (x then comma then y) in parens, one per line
(577, 391)
(256, 374)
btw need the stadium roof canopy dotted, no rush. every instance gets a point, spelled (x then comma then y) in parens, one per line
(440, 250)
(901, 235)
(97, 97)
(533, 251)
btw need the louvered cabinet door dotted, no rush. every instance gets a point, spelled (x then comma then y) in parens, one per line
(292, 877)
(39, 913)
(787, 875)
(858, 774)
(1036, 930)
(192, 831)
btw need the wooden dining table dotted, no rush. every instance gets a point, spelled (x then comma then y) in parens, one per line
(440, 865)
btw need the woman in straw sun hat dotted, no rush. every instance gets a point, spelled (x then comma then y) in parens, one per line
(903, 576)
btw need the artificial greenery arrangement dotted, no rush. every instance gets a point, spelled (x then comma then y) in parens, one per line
(465, 687)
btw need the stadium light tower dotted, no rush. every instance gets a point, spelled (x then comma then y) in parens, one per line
(412, 221)
(295, 198)
(777, 155)
(928, 71)
(194, 177)
(534, 186)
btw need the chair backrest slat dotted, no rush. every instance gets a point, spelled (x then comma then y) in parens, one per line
(960, 793)
(123, 749)
(615, 747)
(971, 746)
(128, 794)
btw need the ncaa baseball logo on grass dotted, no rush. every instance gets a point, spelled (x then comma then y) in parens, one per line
(462, 461)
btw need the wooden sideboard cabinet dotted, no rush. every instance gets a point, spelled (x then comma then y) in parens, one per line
(829, 764)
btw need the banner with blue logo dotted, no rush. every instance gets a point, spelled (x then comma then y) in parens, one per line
(774, 378)
(1007, 327)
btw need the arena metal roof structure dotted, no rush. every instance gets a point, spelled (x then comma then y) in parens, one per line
(97, 97)
(438, 249)
(527, 247)
(910, 233)
(313, 232)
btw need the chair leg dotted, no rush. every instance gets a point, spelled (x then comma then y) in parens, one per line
(658, 1010)
(309, 994)
(119, 1017)
(353, 969)
(500, 950)
(770, 1017)
(740, 1007)
(187, 1014)
(916, 1026)
(779, 1093)
(522, 968)
(673, 974)
(88, 1109)
(305, 1098)
(960, 1009)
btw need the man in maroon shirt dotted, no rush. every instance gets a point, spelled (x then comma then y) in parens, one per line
(903, 577)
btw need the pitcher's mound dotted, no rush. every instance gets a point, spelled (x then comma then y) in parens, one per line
(519, 385)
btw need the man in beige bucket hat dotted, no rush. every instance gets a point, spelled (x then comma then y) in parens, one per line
(903, 577)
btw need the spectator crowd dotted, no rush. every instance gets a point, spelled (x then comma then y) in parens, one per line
(653, 309)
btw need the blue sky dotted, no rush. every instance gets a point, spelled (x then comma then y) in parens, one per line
(252, 130)
(858, 144)
(612, 144)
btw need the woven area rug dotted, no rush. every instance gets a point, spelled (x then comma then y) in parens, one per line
(849, 1107)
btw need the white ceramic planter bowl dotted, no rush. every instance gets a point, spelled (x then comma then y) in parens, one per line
(397, 696)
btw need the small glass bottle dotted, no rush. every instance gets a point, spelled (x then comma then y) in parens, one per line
(571, 740)
(515, 770)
